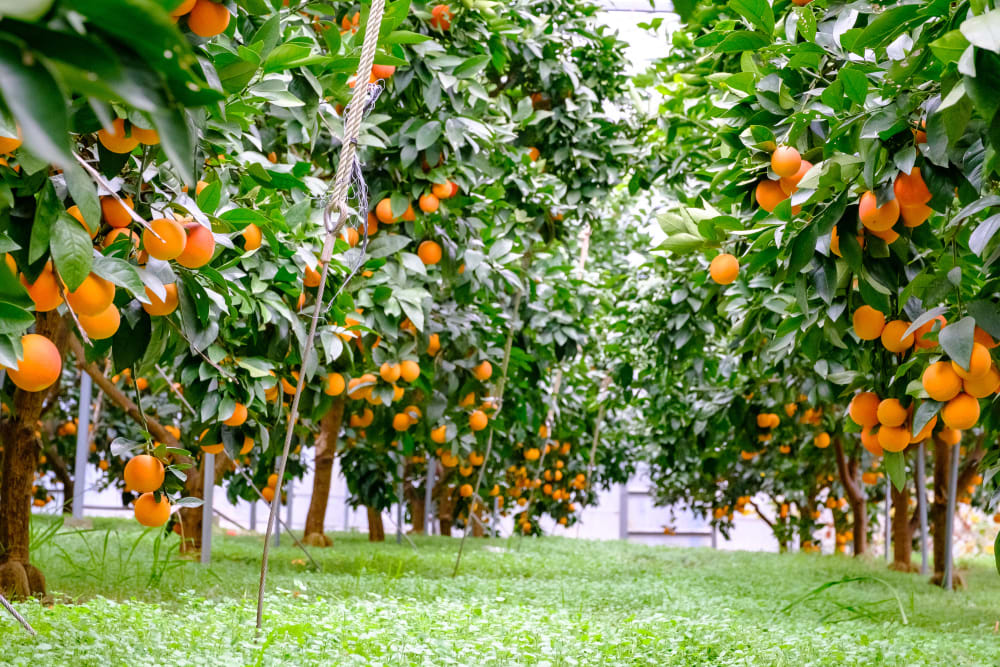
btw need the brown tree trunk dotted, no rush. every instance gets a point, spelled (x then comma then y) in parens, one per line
(902, 536)
(63, 475)
(376, 531)
(939, 506)
(415, 499)
(848, 472)
(18, 577)
(326, 451)
(476, 517)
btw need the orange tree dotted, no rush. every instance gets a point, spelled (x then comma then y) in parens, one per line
(855, 196)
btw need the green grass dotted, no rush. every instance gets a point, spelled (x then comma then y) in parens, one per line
(550, 601)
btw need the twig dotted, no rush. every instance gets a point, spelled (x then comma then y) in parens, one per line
(76, 320)
(174, 389)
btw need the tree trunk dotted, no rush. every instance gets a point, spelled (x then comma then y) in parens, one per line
(416, 500)
(376, 531)
(902, 536)
(476, 517)
(326, 451)
(63, 475)
(939, 506)
(18, 578)
(848, 472)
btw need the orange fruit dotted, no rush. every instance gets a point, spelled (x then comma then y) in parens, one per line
(115, 213)
(397, 393)
(351, 236)
(440, 434)
(171, 241)
(290, 388)
(39, 366)
(10, 144)
(950, 436)
(984, 339)
(78, 215)
(889, 236)
(44, 292)
(875, 218)
(868, 323)
(428, 203)
(916, 215)
(920, 336)
(115, 140)
(383, 212)
(433, 344)
(941, 382)
(208, 19)
(925, 432)
(785, 161)
(864, 409)
(910, 189)
(724, 269)
(961, 412)
(389, 372)
(144, 473)
(334, 384)
(312, 277)
(238, 417)
(769, 194)
(252, 237)
(247, 445)
(465, 490)
(893, 339)
(869, 441)
(978, 365)
(200, 244)
(401, 421)
(822, 440)
(147, 137)
(115, 234)
(533, 154)
(478, 420)
(835, 242)
(409, 370)
(382, 72)
(789, 184)
(92, 297)
(409, 215)
(429, 253)
(483, 372)
(891, 412)
(268, 493)
(103, 325)
(150, 513)
(442, 190)
(183, 8)
(984, 385)
(441, 16)
(158, 307)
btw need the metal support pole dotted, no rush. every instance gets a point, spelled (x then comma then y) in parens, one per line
(82, 445)
(290, 485)
(206, 509)
(429, 497)
(952, 492)
(253, 516)
(399, 503)
(623, 512)
(888, 519)
(922, 504)
(496, 517)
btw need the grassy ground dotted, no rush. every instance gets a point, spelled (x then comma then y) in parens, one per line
(549, 601)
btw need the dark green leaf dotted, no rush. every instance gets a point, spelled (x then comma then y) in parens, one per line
(72, 251)
(957, 339)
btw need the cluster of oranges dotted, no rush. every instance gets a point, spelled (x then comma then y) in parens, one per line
(268, 490)
(787, 164)
(144, 474)
(205, 18)
(441, 17)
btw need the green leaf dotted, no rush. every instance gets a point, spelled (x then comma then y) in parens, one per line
(210, 196)
(756, 12)
(983, 31)
(895, 468)
(428, 134)
(987, 316)
(14, 319)
(406, 37)
(957, 339)
(742, 40)
(803, 247)
(71, 249)
(176, 141)
(47, 211)
(949, 47)
(472, 66)
(133, 335)
(121, 273)
(35, 100)
(923, 414)
(855, 84)
(885, 27)
(84, 195)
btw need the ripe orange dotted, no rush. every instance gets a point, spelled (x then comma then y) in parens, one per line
(789, 184)
(144, 473)
(389, 372)
(875, 218)
(869, 441)
(429, 203)
(478, 420)
(920, 336)
(252, 237)
(92, 297)
(441, 17)
(409, 370)
(401, 421)
(150, 513)
(442, 190)
(465, 490)
(910, 189)
(208, 19)
(864, 409)
(978, 365)
(724, 269)
(312, 277)
(822, 440)
(892, 336)
(334, 384)
(835, 242)
(115, 140)
(891, 412)
(247, 445)
(45, 290)
(961, 412)
(383, 212)
(171, 241)
(868, 323)
(983, 386)
(409, 215)
(484, 371)
(925, 432)
(984, 339)
(103, 325)
(147, 137)
(397, 393)
(785, 161)
(39, 366)
(429, 253)
(200, 244)
(115, 214)
(183, 8)
(941, 382)
(167, 305)
(10, 144)
(78, 215)
(382, 72)
(534, 154)
(238, 417)
(440, 434)
(769, 194)
(115, 234)
(914, 216)
(352, 237)
(950, 436)
(467, 400)
(889, 235)
(268, 493)
(433, 344)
